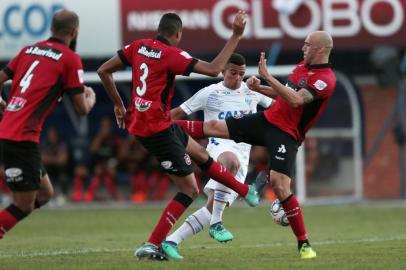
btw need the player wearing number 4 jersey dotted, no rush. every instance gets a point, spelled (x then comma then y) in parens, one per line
(155, 63)
(41, 73)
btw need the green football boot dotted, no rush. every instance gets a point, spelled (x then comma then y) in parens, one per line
(170, 249)
(150, 252)
(306, 252)
(220, 233)
(255, 189)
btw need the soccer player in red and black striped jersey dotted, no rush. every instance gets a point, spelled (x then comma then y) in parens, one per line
(155, 63)
(283, 126)
(41, 73)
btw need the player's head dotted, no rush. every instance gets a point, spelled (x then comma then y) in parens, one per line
(234, 71)
(65, 25)
(317, 47)
(170, 27)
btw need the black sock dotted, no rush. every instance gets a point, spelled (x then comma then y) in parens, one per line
(300, 243)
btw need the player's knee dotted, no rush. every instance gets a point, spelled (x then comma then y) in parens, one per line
(279, 185)
(190, 191)
(230, 161)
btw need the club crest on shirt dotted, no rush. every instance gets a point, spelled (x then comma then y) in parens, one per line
(16, 104)
(302, 83)
(320, 85)
(141, 104)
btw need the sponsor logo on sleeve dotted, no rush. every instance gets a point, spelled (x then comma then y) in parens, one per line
(80, 75)
(186, 55)
(320, 85)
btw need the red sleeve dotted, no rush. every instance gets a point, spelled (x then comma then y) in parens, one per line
(321, 85)
(72, 77)
(180, 62)
(11, 67)
(126, 53)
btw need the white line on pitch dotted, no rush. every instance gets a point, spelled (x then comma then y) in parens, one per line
(117, 250)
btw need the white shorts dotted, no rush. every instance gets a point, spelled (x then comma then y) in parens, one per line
(218, 146)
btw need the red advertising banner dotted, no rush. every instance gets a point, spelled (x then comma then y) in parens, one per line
(206, 24)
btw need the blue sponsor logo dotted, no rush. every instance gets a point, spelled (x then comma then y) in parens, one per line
(235, 114)
(213, 141)
(34, 20)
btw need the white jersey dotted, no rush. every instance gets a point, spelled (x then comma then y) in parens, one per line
(218, 103)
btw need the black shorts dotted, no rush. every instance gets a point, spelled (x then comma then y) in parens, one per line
(22, 165)
(256, 130)
(169, 147)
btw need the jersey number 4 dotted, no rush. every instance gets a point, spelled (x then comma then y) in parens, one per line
(26, 80)
(141, 90)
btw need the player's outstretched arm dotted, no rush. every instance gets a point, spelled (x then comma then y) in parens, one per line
(105, 73)
(293, 98)
(217, 65)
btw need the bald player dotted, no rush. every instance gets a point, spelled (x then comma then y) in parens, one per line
(41, 73)
(283, 126)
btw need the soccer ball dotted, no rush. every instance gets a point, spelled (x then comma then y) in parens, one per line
(278, 214)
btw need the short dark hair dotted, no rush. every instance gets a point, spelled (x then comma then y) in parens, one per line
(237, 59)
(169, 24)
(64, 22)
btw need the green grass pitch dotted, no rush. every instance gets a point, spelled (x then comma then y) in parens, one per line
(357, 236)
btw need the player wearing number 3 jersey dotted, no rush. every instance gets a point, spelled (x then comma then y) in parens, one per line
(155, 63)
(41, 74)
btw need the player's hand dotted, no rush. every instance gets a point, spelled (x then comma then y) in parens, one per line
(90, 96)
(120, 113)
(239, 23)
(262, 66)
(253, 83)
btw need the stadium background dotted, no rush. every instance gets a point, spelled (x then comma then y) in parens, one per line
(369, 51)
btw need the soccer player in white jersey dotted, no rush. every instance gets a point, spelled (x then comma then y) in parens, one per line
(228, 98)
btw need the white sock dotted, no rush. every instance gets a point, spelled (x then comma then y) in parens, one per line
(192, 225)
(219, 204)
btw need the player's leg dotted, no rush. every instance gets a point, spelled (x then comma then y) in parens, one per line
(22, 165)
(193, 224)
(188, 192)
(281, 186)
(221, 199)
(216, 171)
(200, 129)
(45, 192)
(282, 150)
(21, 207)
(169, 148)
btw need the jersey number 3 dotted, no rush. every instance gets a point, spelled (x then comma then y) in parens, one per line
(26, 80)
(141, 90)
